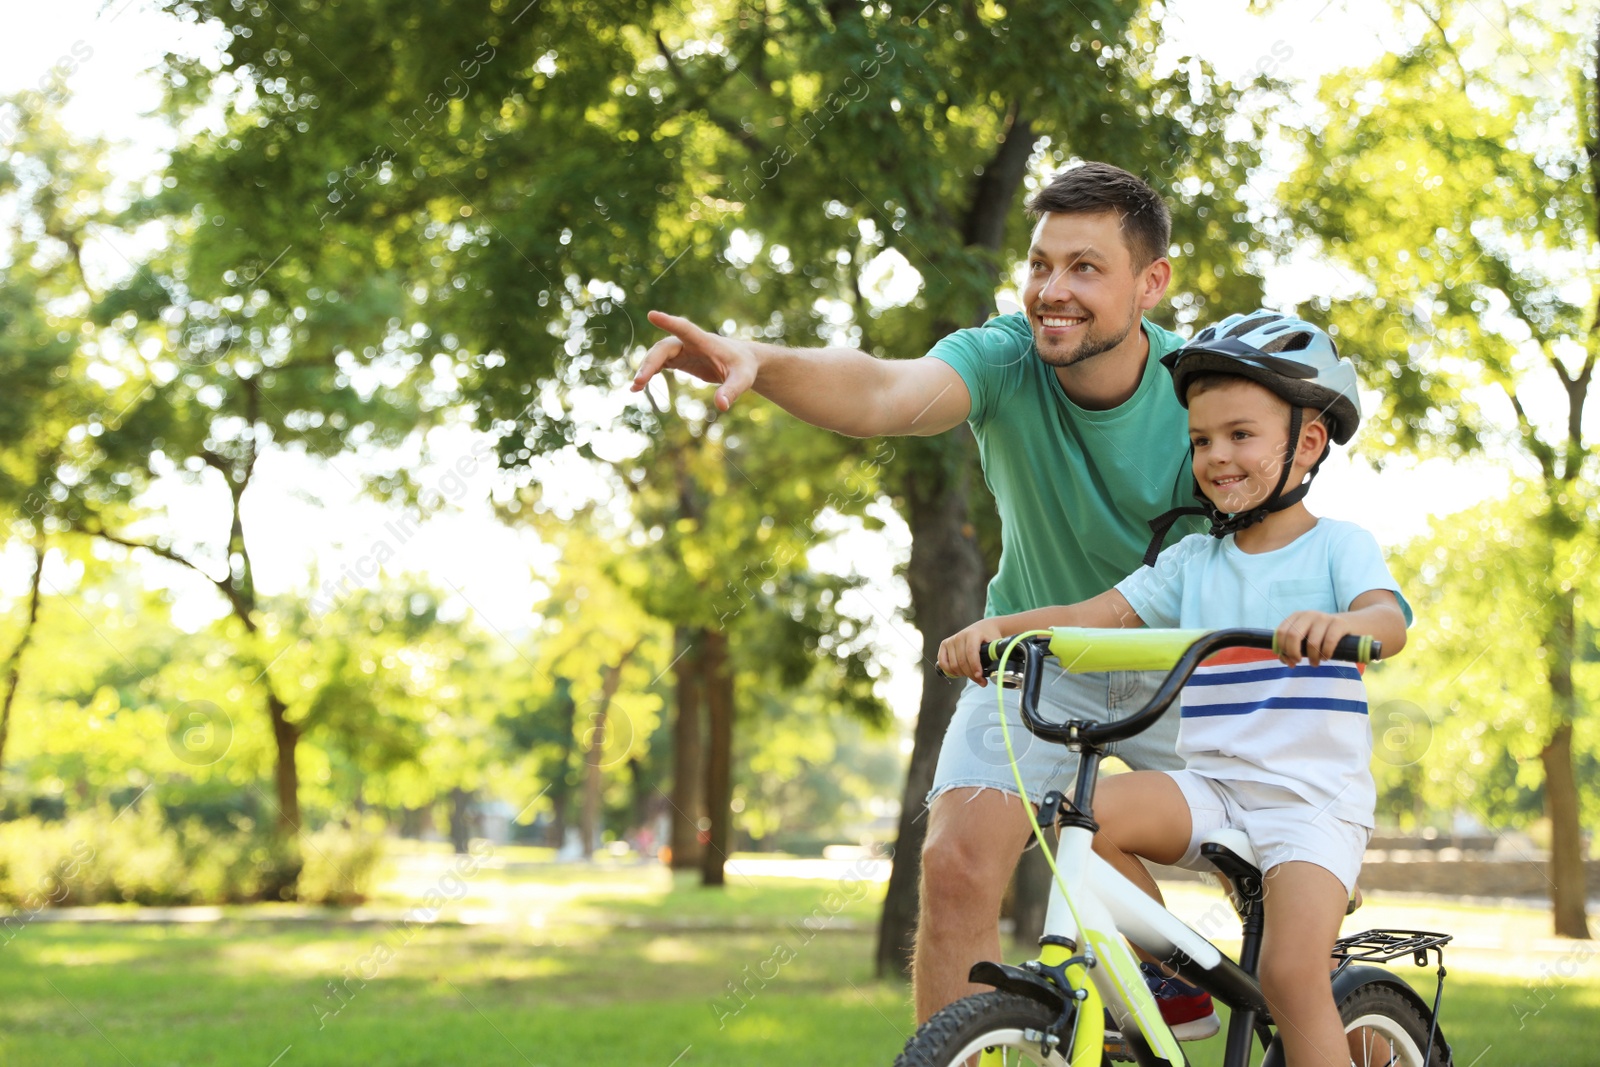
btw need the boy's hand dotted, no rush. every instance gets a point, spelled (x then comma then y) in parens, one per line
(1312, 634)
(958, 653)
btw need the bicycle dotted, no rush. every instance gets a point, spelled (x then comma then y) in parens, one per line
(1052, 1010)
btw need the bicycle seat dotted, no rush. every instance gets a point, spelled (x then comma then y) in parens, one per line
(1230, 841)
(1230, 852)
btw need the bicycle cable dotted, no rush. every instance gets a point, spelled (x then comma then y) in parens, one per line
(1022, 790)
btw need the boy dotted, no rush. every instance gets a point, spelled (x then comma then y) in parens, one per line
(1280, 752)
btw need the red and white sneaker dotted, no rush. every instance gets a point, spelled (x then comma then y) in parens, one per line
(1185, 1008)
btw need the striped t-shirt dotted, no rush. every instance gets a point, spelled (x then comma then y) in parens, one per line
(1246, 716)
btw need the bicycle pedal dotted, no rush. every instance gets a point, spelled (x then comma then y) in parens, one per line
(1117, 1049)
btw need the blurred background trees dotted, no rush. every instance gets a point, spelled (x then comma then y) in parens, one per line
(393, 241)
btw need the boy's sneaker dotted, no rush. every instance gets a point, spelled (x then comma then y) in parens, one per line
(1185, 1008)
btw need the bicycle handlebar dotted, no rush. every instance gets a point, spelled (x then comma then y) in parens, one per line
(1178, 652)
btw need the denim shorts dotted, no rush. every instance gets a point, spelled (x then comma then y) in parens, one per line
(974, 750)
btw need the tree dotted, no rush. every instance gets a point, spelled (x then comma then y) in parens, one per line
(1463, 718)
(54, 187)
(214, 371)
(560, 167)
(1456, 183)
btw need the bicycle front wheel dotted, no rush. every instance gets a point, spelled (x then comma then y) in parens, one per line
(1008, 1026)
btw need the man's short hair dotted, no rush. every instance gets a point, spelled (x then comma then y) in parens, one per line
(1098, 187)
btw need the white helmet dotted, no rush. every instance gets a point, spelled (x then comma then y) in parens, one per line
(1293, 358)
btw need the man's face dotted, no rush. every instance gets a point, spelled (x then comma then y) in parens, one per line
(1083, 294)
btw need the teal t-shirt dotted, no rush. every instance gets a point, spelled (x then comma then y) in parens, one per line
(1076, 488)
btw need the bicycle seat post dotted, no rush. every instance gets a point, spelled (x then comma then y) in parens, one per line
(1089, 758)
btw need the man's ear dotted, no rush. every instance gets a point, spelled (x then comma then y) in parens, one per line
(1154, 280)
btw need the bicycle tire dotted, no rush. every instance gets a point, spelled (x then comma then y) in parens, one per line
(1381, 1009)
(984, 1020)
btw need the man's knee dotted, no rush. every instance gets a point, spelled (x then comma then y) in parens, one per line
(972, 846)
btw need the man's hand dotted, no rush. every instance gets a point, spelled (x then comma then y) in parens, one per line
(958, 653)
(724, 361)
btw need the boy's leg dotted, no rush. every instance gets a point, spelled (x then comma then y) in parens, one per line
(1141, 814)
(1304, 906)
(1147, 813)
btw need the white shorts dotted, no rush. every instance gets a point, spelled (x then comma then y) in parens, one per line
(1281, 826)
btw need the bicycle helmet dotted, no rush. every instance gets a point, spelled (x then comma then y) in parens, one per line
(1295, 360)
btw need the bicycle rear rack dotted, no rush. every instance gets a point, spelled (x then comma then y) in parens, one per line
(1381, 946)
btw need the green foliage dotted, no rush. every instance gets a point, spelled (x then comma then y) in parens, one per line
(1476, 673)
(1454, 182)
(103, 856)
(1450, 183)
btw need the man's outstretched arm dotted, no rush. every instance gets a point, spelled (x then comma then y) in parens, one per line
(839, 389)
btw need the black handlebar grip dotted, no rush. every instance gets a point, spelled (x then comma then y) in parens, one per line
(1357, 648)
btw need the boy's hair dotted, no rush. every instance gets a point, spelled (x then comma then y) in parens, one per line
(1205, 381)
(1099, 187)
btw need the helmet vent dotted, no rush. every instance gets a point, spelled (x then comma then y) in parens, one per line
(1249, 325)
(1289, 342)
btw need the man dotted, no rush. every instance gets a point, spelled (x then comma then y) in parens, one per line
(1081, 439)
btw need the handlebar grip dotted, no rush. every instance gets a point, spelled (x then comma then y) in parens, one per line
(988, 657)
(1356, 648)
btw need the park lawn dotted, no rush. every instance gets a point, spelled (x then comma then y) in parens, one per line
(675, 975)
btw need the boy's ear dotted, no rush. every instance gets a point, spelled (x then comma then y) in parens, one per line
(1313, 438)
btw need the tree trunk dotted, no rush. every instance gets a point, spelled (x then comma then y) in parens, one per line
(286, 735)
(461, 819)
(589, 816)
(1568, 892)
(687, 751)
(561, 784)
(14, 661)
(284, 883)
(719, 757)
(592, 817)
(946, 576)
(1030, 897)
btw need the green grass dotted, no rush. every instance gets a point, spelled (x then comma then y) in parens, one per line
(620, 966)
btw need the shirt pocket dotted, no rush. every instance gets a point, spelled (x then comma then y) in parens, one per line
(1302, 594)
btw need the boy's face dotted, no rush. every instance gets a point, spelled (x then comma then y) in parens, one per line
(1239, 431)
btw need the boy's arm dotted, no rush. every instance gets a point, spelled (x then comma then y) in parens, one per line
(1375, 613)
(958, 653)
